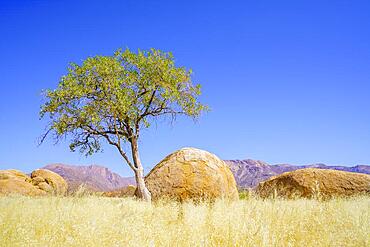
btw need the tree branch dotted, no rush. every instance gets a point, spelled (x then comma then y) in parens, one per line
(106, 136)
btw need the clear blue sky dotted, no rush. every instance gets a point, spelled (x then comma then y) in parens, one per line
(287, 81)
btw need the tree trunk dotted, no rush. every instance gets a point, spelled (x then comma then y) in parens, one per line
(142, 191)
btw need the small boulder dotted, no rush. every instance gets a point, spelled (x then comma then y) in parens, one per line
(53, 179)
(16, 182)
(41, 182)
(315, 183)
(191, 174)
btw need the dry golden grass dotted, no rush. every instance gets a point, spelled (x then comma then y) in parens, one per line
(99, 221)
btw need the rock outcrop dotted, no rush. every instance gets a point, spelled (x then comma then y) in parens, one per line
(315, 183)
(41, 182)
(191, 174)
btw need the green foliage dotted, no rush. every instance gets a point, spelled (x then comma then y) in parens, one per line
(113, 97)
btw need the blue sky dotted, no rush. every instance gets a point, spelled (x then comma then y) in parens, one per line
(287, 81)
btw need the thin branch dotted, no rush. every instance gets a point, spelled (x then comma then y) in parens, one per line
(43, 137)
(106, 136)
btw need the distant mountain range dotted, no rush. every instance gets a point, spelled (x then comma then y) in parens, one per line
(248, 173)
(93, 177)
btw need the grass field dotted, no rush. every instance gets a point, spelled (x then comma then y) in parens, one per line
(98, 221)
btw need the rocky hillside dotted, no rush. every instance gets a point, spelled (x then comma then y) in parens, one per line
(95, 178)
(248, 173)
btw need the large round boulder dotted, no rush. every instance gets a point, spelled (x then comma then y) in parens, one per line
(191, 174)
(315, 183)
(41, 182)
(50, 181)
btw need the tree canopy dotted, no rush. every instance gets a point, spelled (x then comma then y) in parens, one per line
(112, 97)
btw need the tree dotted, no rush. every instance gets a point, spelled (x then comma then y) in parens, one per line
(111, 98)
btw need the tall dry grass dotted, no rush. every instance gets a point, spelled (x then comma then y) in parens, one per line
(97, 221)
